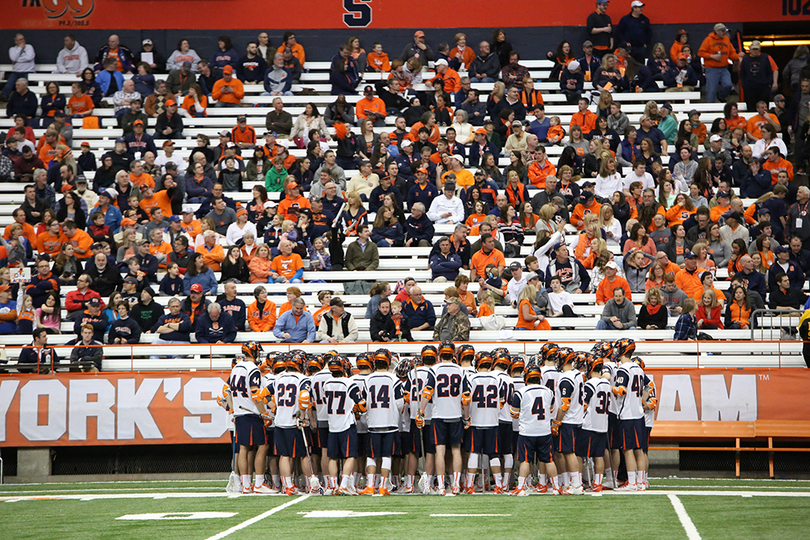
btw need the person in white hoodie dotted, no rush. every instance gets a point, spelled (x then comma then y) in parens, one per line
(22, 57)
(73, 58)
(447, 208)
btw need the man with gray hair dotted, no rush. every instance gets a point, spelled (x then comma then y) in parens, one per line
(337, 325)
(278, 79)
(295, 325)
(454, 325)
(173, 327)
(22, 56)
(214, 326)
(419, 229)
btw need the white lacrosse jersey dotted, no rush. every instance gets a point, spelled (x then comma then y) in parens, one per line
(244, 376)
(318, 397)
(550, 377)
(360, 381)
(448, 383)
(570, 387)
(597, 398)
(609, 369)
(342, 395)
(384, 402)
(418, 380)
(631, 377)
(486, 391)
(517, 384)
(536, 405)
(288, 388)
(506, 382)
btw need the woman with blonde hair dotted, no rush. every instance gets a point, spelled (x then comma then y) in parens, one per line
(709, 313)
(653, 314)
(487, 303)
(528, 318)
(701, 249)
(611, 226)
(605, 101)
(545, 221)
(583, 251)
(260, 265)
(206, 224)
(495, 96)
(651, 111)
(609, 180)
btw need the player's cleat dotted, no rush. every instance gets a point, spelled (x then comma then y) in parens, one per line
(367, 491)
(455, 490)
(441, 492)
(626, 487)
(597, 488)
(623, 485)
(328, 492)
(263, 490)
(520, 492)
(497, 490)
(542, 489)
(566, 490)
(642, 486)
(576, 491)
(384, 491)
(347, 491)
(470, 490)
(247, 490)
(406, 490)
(290, 491)
(557, 491)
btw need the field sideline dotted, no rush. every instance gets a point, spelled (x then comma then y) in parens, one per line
(674, 508)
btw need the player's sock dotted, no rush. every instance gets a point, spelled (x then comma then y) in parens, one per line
(333, 482)
(609, 473)
(409, 481)
(505, 482)
(370, 480)
(555, 482)
(245, 480)
(288, 483)
(616, 477)
(631, 478)
(430, 481)
(441, 481)
(542, 482)
(456, 479)
(498, 479)
(597, 479)
(640, 477)
(470, 479)
(276, 480)
(577, 481)
(521, 482)
(558, 480)
(566, 478)
(345, 481)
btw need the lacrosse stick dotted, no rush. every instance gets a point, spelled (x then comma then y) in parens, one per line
(234, 483)
(314, 483)
(423, 480)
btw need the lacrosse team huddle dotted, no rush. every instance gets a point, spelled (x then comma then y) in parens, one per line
(309, 423)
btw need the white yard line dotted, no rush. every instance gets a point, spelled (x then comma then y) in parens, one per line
(691, 531)
(258, 518)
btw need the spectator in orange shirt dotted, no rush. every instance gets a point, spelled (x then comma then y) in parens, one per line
(583, 118)
(243, 135)
(80, 240)
(540, 169)
(295, 47)
(487, 255)
(612, 279)
(451, 78)
(138, 177)
(287, 266)
(463, 54)
(755, 123)
(376, 60)
(80, 104)
(211, 251)
(228, 91)
(716, 51)
(52, 149)
(50, 241)
(294, 200)
(190, 225)
(370, 107)
(776, 163)
(261, 314)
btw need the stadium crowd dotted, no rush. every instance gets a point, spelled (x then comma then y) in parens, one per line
(658, 207)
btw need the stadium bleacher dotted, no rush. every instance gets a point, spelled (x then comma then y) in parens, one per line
(733, 348)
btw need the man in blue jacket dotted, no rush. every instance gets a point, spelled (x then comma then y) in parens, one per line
(37, 357)
(214, 326)
(481, 146)
(295, 325)
(278, 79)
(419, 311)
(419, 229)
(634, 30)
(445, 265)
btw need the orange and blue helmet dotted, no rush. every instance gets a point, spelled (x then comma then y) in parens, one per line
(623, 347)
(253, 350)
(482, 359)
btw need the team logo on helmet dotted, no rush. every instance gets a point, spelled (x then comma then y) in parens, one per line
(639, 361)
(564, 356)
(403, 368)
(382, 356)
(518, 364)
(335, 364)
(252, 349)
(623, 347)
(502, 359)
(447, 348)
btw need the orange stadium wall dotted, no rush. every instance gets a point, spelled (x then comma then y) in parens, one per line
(180, 408)
(537, 28)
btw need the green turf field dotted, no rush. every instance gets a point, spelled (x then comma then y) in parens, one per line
(710, 509)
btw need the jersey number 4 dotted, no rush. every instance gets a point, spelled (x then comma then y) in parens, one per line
(448, 385)
(239, 386)
(637, 386)
(538, 409)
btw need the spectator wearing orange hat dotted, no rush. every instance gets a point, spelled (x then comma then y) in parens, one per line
(169, 124)
(716, 51)
(418, 49)
(289, 207)
(370, 107)
(228, 91)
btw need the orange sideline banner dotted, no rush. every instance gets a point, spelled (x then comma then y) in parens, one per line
(337, 14)
(180, 408)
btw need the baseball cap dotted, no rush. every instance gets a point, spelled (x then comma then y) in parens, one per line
(130, 279)
(449, 186)
(723, 194)
(137, 123)
(683, 56)
(715, 138)
(228, 70)
(720, 27)
(612, 264)
(368, 89)
(186, 65)
(241, 118)
(188, 210)
(453, 300)
(587, 42)
(170, 102)
(573, 65)
(120, 140)
(667, 106)
(94, 302)
(588, 184)
(144, 187)
(225, 133)
(292, 185)
(778, 97)
(480, 131)
(168, 143)
(457, 157)
(126, 222)
(147, 41)
(440, 62)
(516, 123)
(269, 204)
(515, 266)
(336, 302)
(778, 249)
(636, 3)
(174, 218)
(755, 45)
(764, 210)
(418, 33)
(406, 143)
(111, 193)
(85, 143)
(81, 179)
(694, 112)
(689, 255)
(196, 287)
(731, 214)
(422, 170)
(598, 2)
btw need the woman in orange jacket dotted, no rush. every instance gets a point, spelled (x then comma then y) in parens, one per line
(261, 314)
(680, 211)
(261, 265)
